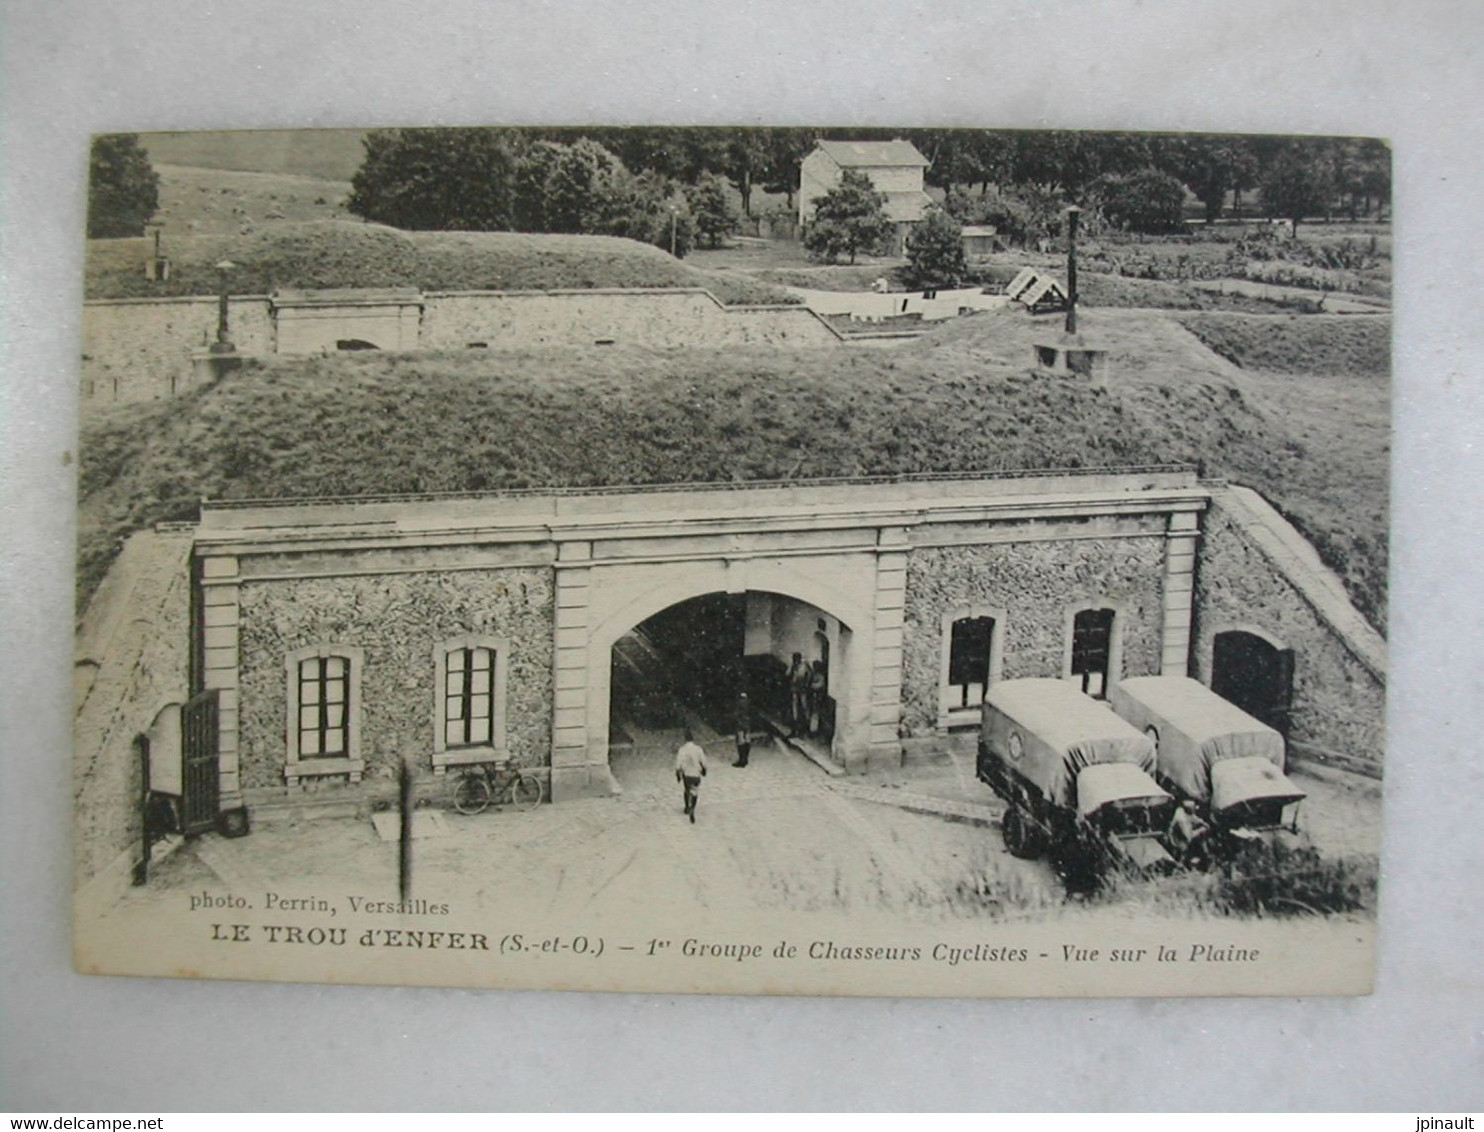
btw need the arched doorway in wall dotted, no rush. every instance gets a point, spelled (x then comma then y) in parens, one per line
(688, 664)
(1255, 674)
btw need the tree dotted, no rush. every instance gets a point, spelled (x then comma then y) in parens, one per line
(649, 208)
(787, 147)
(850, 218)
(715, 218)
(1212, 167)
(123, 187)
(566, 188)
(1147, 201)
(1296, 182)
(935, 252)
(438, 179)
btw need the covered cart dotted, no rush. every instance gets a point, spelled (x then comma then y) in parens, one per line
(1212, 752)
(1074, 774)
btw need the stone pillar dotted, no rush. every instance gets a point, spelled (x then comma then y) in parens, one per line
(220, 616)
(1179, 593)
(886, 649)
(573, 773)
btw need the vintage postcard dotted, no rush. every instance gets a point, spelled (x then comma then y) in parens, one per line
(887, 561)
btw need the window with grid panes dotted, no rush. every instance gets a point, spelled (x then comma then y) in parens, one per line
(324, 707)
(468, 697)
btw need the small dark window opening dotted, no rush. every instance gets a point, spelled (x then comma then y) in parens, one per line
(355, 344)
(1092, 649)
(968, 660)
(477, 346)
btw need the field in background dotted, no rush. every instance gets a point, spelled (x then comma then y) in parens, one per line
(330, 155)
(213, 202)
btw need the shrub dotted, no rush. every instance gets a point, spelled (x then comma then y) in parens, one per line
(711, 206)
(1148, 201)
(935, 252)
(1021, 215)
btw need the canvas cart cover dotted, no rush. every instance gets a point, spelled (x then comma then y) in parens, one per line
(1113, 782)
(1049, 731)
(1197, 729)
(1234, 781)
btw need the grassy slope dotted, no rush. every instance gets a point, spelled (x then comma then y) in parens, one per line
(961, 398)
(1342, 345)
(213, 201)
(348, 253)
(332, 155)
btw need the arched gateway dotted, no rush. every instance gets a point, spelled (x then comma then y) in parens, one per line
(344, 636)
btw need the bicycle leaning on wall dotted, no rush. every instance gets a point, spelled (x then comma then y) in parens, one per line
(500, 782)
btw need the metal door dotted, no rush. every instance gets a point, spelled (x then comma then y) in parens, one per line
(200, 794)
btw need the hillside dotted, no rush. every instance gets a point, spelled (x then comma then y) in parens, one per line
(330, 155)
(221, 202)
(346, 253)
(961, 398)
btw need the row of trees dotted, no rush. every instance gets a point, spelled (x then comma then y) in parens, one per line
(628, 181)
(1346, 175)
(666, 184)
(492, 180)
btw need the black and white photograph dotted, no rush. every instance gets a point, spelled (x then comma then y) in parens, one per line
(736, 559)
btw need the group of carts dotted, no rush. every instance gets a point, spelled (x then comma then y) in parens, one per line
(1164, 775)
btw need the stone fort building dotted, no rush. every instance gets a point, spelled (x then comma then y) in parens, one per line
(320, 642)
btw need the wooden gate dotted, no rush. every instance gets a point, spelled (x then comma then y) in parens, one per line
(200, 794)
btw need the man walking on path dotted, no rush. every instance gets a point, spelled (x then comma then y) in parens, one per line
(690, 768)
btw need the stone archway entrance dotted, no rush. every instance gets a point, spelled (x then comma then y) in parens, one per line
(686, 666)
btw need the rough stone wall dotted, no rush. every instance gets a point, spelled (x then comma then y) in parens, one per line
(396, 619)
(768, 326)
(1034, 583)
(133, 658)
(132, 350)
(660, 319)
(1339, 703)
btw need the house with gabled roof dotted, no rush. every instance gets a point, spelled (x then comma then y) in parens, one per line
(895, 169)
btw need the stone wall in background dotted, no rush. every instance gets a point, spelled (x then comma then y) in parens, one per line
(140, 349)
(397, 619)
(132, 659)
(1036, 584)
(1339, 699)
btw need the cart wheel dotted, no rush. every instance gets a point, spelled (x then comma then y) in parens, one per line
(1022, 837)
(472, 794)
(526, 792)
